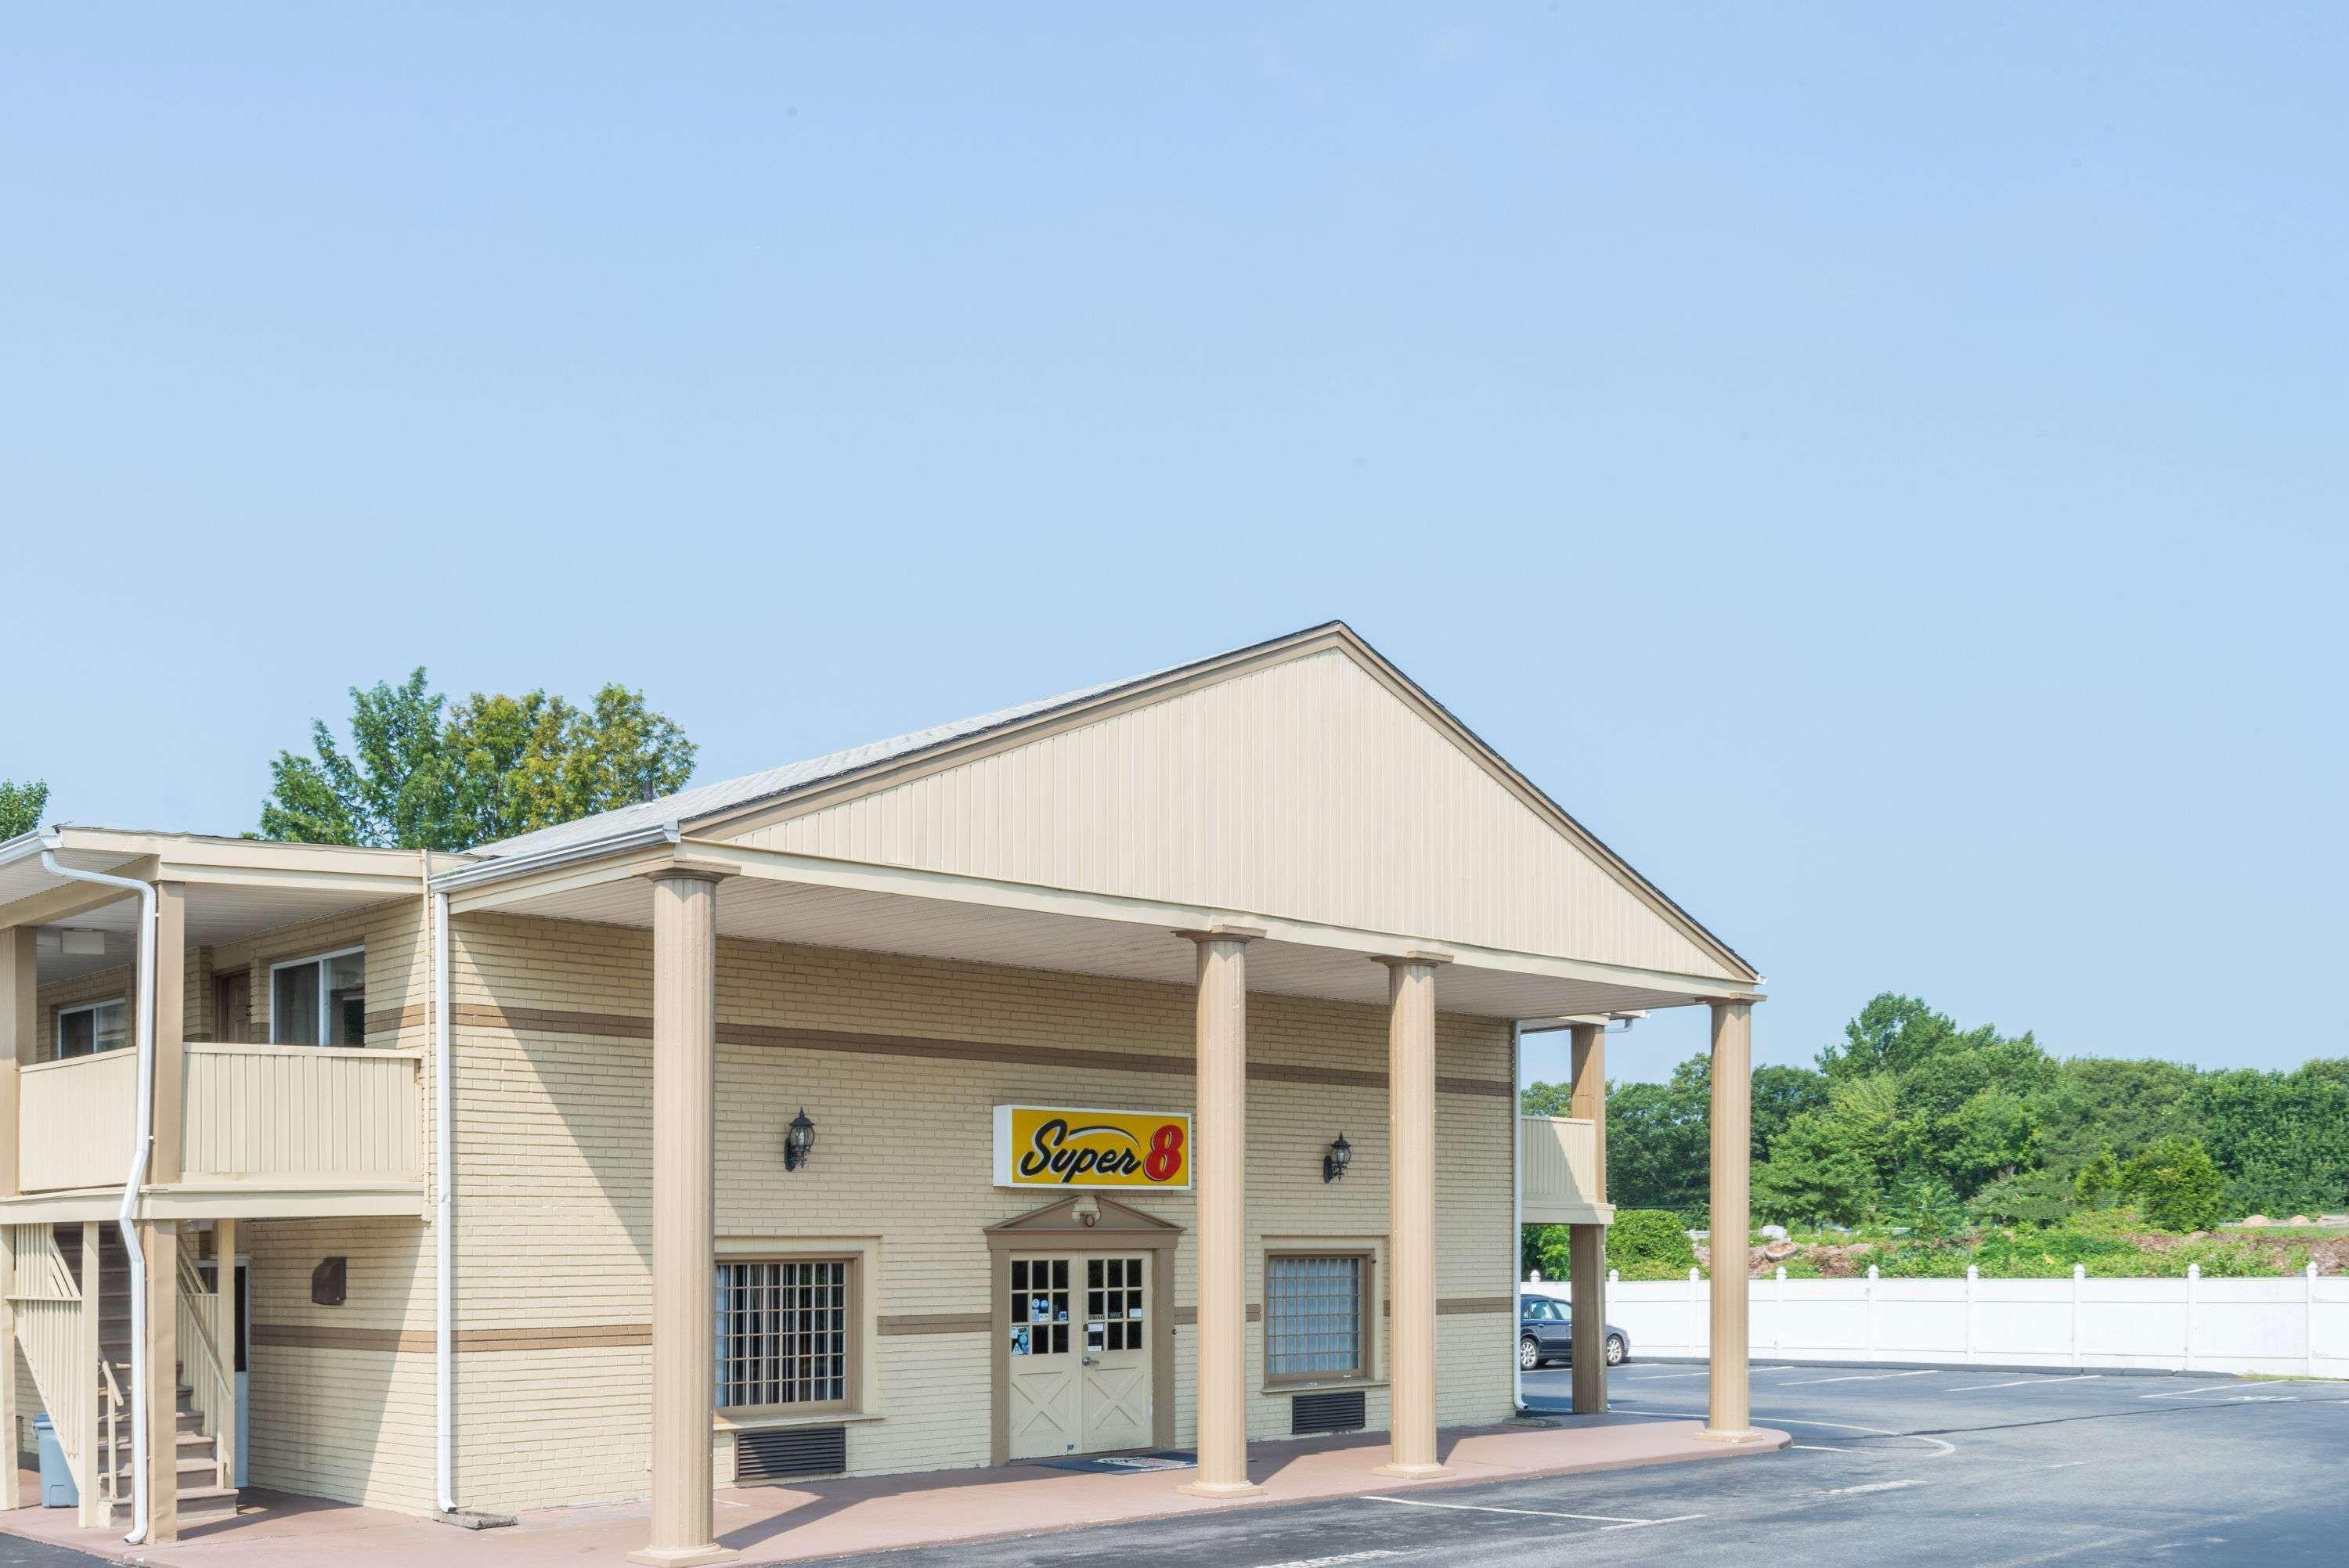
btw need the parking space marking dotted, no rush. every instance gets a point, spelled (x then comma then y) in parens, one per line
(1870, 1486)
(1859, 1377)
(1373, 1554)
(2183, 1393)
(1613, 1521)
(1656, 1376)
(2020, 1382)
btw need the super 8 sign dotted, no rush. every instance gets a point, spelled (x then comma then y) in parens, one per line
(1069, 1146)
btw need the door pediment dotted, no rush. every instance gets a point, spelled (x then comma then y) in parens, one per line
(1117, 1224)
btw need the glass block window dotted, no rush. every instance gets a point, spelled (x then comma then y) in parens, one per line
(782, 1334)
(1040, 1306)
(1113, 1304)
(1312, 1317)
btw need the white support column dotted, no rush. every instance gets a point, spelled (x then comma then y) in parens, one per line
(1411, 1212)
(1728, 1417)
(1219, 1173)
(684, 1073)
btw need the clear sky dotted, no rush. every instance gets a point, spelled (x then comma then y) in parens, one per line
(1883, 473)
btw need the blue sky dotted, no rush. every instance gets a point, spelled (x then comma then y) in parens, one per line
(1883, 473)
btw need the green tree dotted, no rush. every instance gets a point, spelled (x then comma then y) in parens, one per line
(2099, 1179)
(421, 774)
(1650, 1243)
(2175, 1185)
(1658, 1150)
(21, 806)
(1928, 1206)
(1813, 1176)
(1780, 1095)
(1549, 1248)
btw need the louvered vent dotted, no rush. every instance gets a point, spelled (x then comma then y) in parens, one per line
(1326, 1413)
(790, 1451)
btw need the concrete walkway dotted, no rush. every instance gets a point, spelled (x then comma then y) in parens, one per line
(824, 1519)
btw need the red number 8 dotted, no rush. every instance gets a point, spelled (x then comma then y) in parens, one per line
(1165, 1153)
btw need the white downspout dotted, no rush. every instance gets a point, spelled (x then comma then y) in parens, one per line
(142, 1143)
(1516, 1209)
(444, 1307)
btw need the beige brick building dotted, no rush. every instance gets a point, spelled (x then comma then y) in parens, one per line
(673, 1148)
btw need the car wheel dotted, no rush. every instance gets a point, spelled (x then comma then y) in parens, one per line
(1616, 1350)
(1530, 1353)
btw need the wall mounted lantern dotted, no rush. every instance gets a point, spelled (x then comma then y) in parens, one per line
(1334, 1164)
(800, 1142)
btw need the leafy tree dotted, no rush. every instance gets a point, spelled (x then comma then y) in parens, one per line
(1780, 1095)
(1813, 1176)
(21, 806)
(2175, 1185)
(1549, 1248)
(419, 774)
(2098, 1181)
(1544, 1098)
(1928, 1206)
(1658, 1153)
(1650, 1243)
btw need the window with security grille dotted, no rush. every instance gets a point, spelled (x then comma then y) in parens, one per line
(1313, 1317)
(783, 1333)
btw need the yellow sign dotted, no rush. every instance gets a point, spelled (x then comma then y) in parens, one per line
(1058, 1146)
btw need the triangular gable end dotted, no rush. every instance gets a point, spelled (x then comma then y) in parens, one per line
(1306, 778)
(1116, 1219)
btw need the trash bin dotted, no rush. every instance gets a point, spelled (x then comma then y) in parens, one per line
(58, 1488)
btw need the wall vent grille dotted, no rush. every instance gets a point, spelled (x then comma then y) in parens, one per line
(1341, 1412)
(785, 1451)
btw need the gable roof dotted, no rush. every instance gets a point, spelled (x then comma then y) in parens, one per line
(845, 775)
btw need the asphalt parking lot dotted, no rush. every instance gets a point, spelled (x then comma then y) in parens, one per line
(1952, 1466)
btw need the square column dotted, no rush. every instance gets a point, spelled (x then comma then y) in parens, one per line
(1728, 1417)
(1587, 1244)
(685, 1108)
(163, 1164)
(1411, 1212)
(160, 1240)
(1219, 1175)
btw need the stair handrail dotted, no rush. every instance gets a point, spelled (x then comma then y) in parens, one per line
(109, 1475)
(218, 1389)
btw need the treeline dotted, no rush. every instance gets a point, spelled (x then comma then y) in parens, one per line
(1912, 1115)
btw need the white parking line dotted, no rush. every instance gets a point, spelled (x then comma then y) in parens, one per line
(1871, 1486)
(1615, 1521)
(2183, 1393)
(1371, 1555)
(1859, 1377)
(2019, 1382)
(1656, 1376)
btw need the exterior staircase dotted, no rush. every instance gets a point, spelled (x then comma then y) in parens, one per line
(201, 1473)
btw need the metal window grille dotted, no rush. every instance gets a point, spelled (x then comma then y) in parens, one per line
(781, 1334)
(1312, 1316)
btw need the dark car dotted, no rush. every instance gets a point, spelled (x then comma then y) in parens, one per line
(1545, 1333)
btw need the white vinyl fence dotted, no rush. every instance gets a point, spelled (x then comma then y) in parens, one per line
(2294, 1326)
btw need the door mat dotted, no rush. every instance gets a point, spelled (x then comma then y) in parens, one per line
(1125, 1464)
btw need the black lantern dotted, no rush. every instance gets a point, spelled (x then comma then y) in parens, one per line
(799, 1141)
(1333, 1164)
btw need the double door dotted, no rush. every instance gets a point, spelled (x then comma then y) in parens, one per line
(1080, 1350)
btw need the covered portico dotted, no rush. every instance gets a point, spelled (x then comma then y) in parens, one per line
(691, 892)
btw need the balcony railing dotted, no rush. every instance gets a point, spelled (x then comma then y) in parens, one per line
(1558, 1171)
(278, 1114)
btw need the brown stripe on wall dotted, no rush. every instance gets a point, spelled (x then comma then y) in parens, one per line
(419, 1341)
(769, 1036)
(939, 1322)
(1188, 1316)
(1471, 1306)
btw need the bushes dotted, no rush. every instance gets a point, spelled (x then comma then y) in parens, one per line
(1651, 1243)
